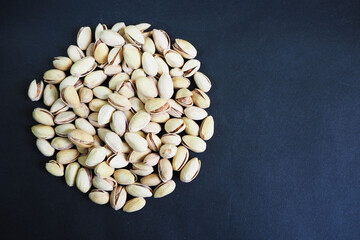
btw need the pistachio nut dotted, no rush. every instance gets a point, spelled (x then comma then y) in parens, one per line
(82, 150)
(190, 170)
(62, 63)
(70, 97)
(167, 150)
(90, 50)
(136, 104)
(195, 113)
(58, 106)
(106, 184)
(71, 171)
(118, 197)
(142, 169)
(176, 72)
(119, 123)
(94, 79)
(134, 35)
(162, 65)
(55, 168)
(176, 110)
(99, 196)
(117, 160)
(84, 125)
(146, 87)
(134, 204)
(76, 82)
(61, 143)
(191, 67)
(165, 86)
(84, 37)
(136, 157)
(82, 161)
(54, 76)
(126, 68)
(180, 159)
(124, 177)
(113, 141)
(180, 82)
(65, 117)
(111, 38)
(116, 79)
(105, 114)
(115, 56)
(186, 49)
(152, 127)
(165, 170)
(99, 29)
(96, 156)
(157, 105)
(151, 180)
(103, 170)
(35, 90)
(51, 94)
(64, 129)
(149, 64)
(96, 104)
(83, 67)
(43, 116)
(138, 190)
(202, 81)
(75, 53)
(161, 40)
(132, 56)
(153, 141)
(171, 138)
(174, 125)
(126, 89)
(173, 58)
(200, 98)
(44, 147)
(83, 180)
(143, 26)
(119, 102)
(81, 138)
(192, 128)
(207, 128)
(111, 69)
(101, 52)
(67, 156)
(43, 131)
(85, 95)
(194, 143)
(137, 73)
(151, 159)
(136, 142)
(164, 189)
(139, 121)
(148, 45)
(184, 97)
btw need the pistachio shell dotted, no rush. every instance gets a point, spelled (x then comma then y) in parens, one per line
(195, 113)
(118, 197)
(191, 67)
(134, 204)
(133, 35)
(96, 156)
(149, 64)
(54, 76)
(58, 106)
(101, 52)
(200, 98)
(76, 82)
(164, 189)
(65, 117)
(55, 168)
(43, 131)
(94, 79)
(70, 97)
(180, 159)
(44, 147)
(83, 180)
(142, 169)
(116, 79)
(165, 86)
(138, 190)
(174, 125)
(180, 82)
(35, 90)
(165, 170)
(186, 49)
(114, 142)
(102, 92)
(136, 157)
(106, 184)
(132, 56)
(117, 160)
(75, 53)
(192, 128)
(62, 63)
(99, 29)
(151, 180)
(202, 81)
(139, 121)
(61, 143)
(43, 116)
(103, 170)
(148, 45)
(83, 67)
(99, 196)
(119, 123)
(167, 150)
(190, 170)
(207, 128)
(51, 94)
(194, 143)
(136, 142)
(71, 172)
(84, 37)
(111, 38)
(67, 156)
(173, 58)
(171, 138)
(105, 114)
(81, 138)
(146, 87)
(161, 40)
(64, 129)
(157, 105)
(124, 177)
(152, 127)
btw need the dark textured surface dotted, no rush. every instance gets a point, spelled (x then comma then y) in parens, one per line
(284, 160)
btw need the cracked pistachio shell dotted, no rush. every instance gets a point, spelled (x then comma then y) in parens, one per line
(64, 129)
(142, 169)
(180, 159)
(120, 26)
(136, 157)
(148, 45)
(103, 170)
(126, 68)
(67, 156)
(157, 105)
(202, 81)
(134, 35)
(82, 160)
(161, 40)
(191, 67)
(139, 121)
(176, 72)
(102, 92)
(61, 143)
(119, 102)
(190, 170)
(96, 104)
(174, 125)
(85, 95)
(186, 49)
(84, 125)
(173, 58)
(184, 97)
(165, 170)
(164, 189)
(71, 171)
(111, 69)
(143, 26)
(62, 63)
(111, 38)
(160, 117)
(106, 184)
(207, 128)
(90, 50)
(162, 65)
(82, 111)
(124, 177)
(137, 73)
(83, 180)
(113, 141)
(105, 114)
(149, 64)
(146, 87)
(116, 79)
(167, 150)
(136, 104)
(136, 142)
(115, 56)
(151, 159)
(96, 156)
(76, 82)
(51, 94)
(165, 86)
(117, 160)
(83, 67)
(44, 147)
(93, 119)
(152, 127)
(55, 168)
(99, 196)
(75, 53)
(134, 204)
(70, 97)
(43, 116)
(65, 117)
(119, 123)
(94, 79)
(99, 29)
(126, 89)
(138, 190)
(83, 37)
(42, 131)
(82, 150)
(194, 143)
(58, 106)
(200, 98)
(101, 132)
(176, 110)
(171, 138)
(180, 82)
(132, 56)
(118, 197)
(151, 180)
(54, 76)
(191, 127)
(101, 52)
(195, 113)
(35, 90)
(81, 138)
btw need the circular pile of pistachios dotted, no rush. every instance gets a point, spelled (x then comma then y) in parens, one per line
(121, 116)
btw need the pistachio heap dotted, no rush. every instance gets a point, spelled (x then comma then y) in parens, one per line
(121, 116)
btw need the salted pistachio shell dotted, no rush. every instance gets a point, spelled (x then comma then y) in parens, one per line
(190, 170)
(126, 68)
(75, 53)
(152, 127)
(96, 104)
(99, 29)
(146, 87)
(162, 65)
(51, 94)
(85, 95)
(84, 125)
(136, 157)
(45, 148)
(176, 110)
(55, 168)
(81, 138)
(184, 97)
(102, 92)
(76, 82)
(65, 117)
(71, 171)
(43, 116)
(195, 113)
(171, 138)
(62, 63)
(136, 104)
(113, 141)
(138, 190)
(119, 123)
(94, 79)
(202, 81)
(116, 79)
(164, 189)
(142, 169)
(173, 58)
(101, 52)
(134, 35)
(161, 40)
(58, 106)
(115, 56)
(93, 119)
(124, 177)
(137, 73)
(43, 131)
(126, 89)
(101, 132)
(136, 142)
(139, 121)
(148, 45)
(151, 159)
(174, 125)
(207, 128)
(61, 143)
(67, 156)
(96, 156)
(112, 69)
(157, 105)
(83, 180)
(151, 180)
(165, 170)
(191, 67)
(118, 160)
(83, 37)
(160, 117)
(70, 97)
(54, 76)
(186, 49)
(167, 150)
(106, 184)
(132, 56)
(119, 102)
(191, 127)
(105, 114)
(103, 170)
(134, 204)
(118, 197)
(111, 38)
(149, 64)
(99, 196)
(194, 143)
(117, 27)
(83, 67)
(180, 82)
(180, 159)
(90, 50)
(200, 98)
(35, 90)
(64, 129)
(176, 72)
(165, 86)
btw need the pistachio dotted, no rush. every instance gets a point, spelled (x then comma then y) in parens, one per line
(134, 204)
(99, 196)
(96, 104)
(124, 177)
(157, 105)
(186, 49)
(43, 116)
(90, 50)
(202, 81)
(192, 128)
(81, 138)
(191, 67)
(119, 102)
(102, 92)
(180, 159)
(54, 76)
(184, 97)
(161, 40)
(173, 58)
(151, 180)
(105, 114)
(82, 161)
(143, 26)
(103, 170)
(64, 129)
(83, 180)
(82, 150)
(111, 38)
(190, 170)
(171, 138)
(61, 143)
(165, 86)
(152, 127)
(164, 189)
(115, 56)
(85, 126)
(35, 90)
(58, 106)
(119, 123)
(194, 143)
(112, 69)
(207, 128)
(153, 141)
(101, 52)
(133, 35)
(118, 78)
(136, 157)
(118, 27)
(55, 168)
(99, 29)
(106, 184)
(132, 56)
(195, 113)
(96, 156)
(51, 94)
(137, 73)
(138, 190)
(142, 169)
(149, 64)
(200, 98)
(180, 82)
(62, 63)
(65, 117)
(176, 110)
(67, 156)
(71, 171)
(136, 104)
(139, 121)
(146, 87)
(118, 197)
(126, 68)
(167, 150)
(84, 37)
(70, 97)
(126, 89)
(75, 53)
(117, 160)
(151, 159)
(43, 131)
(148, 45)
(85, 95)
(136, 142)
(76, 82)
(44, 147)
(174, 125)
(94, 79)
(83, 67)
(176, 72)
(113, 141)
(162, 66)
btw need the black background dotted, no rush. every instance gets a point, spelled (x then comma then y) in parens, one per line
(284, 160)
